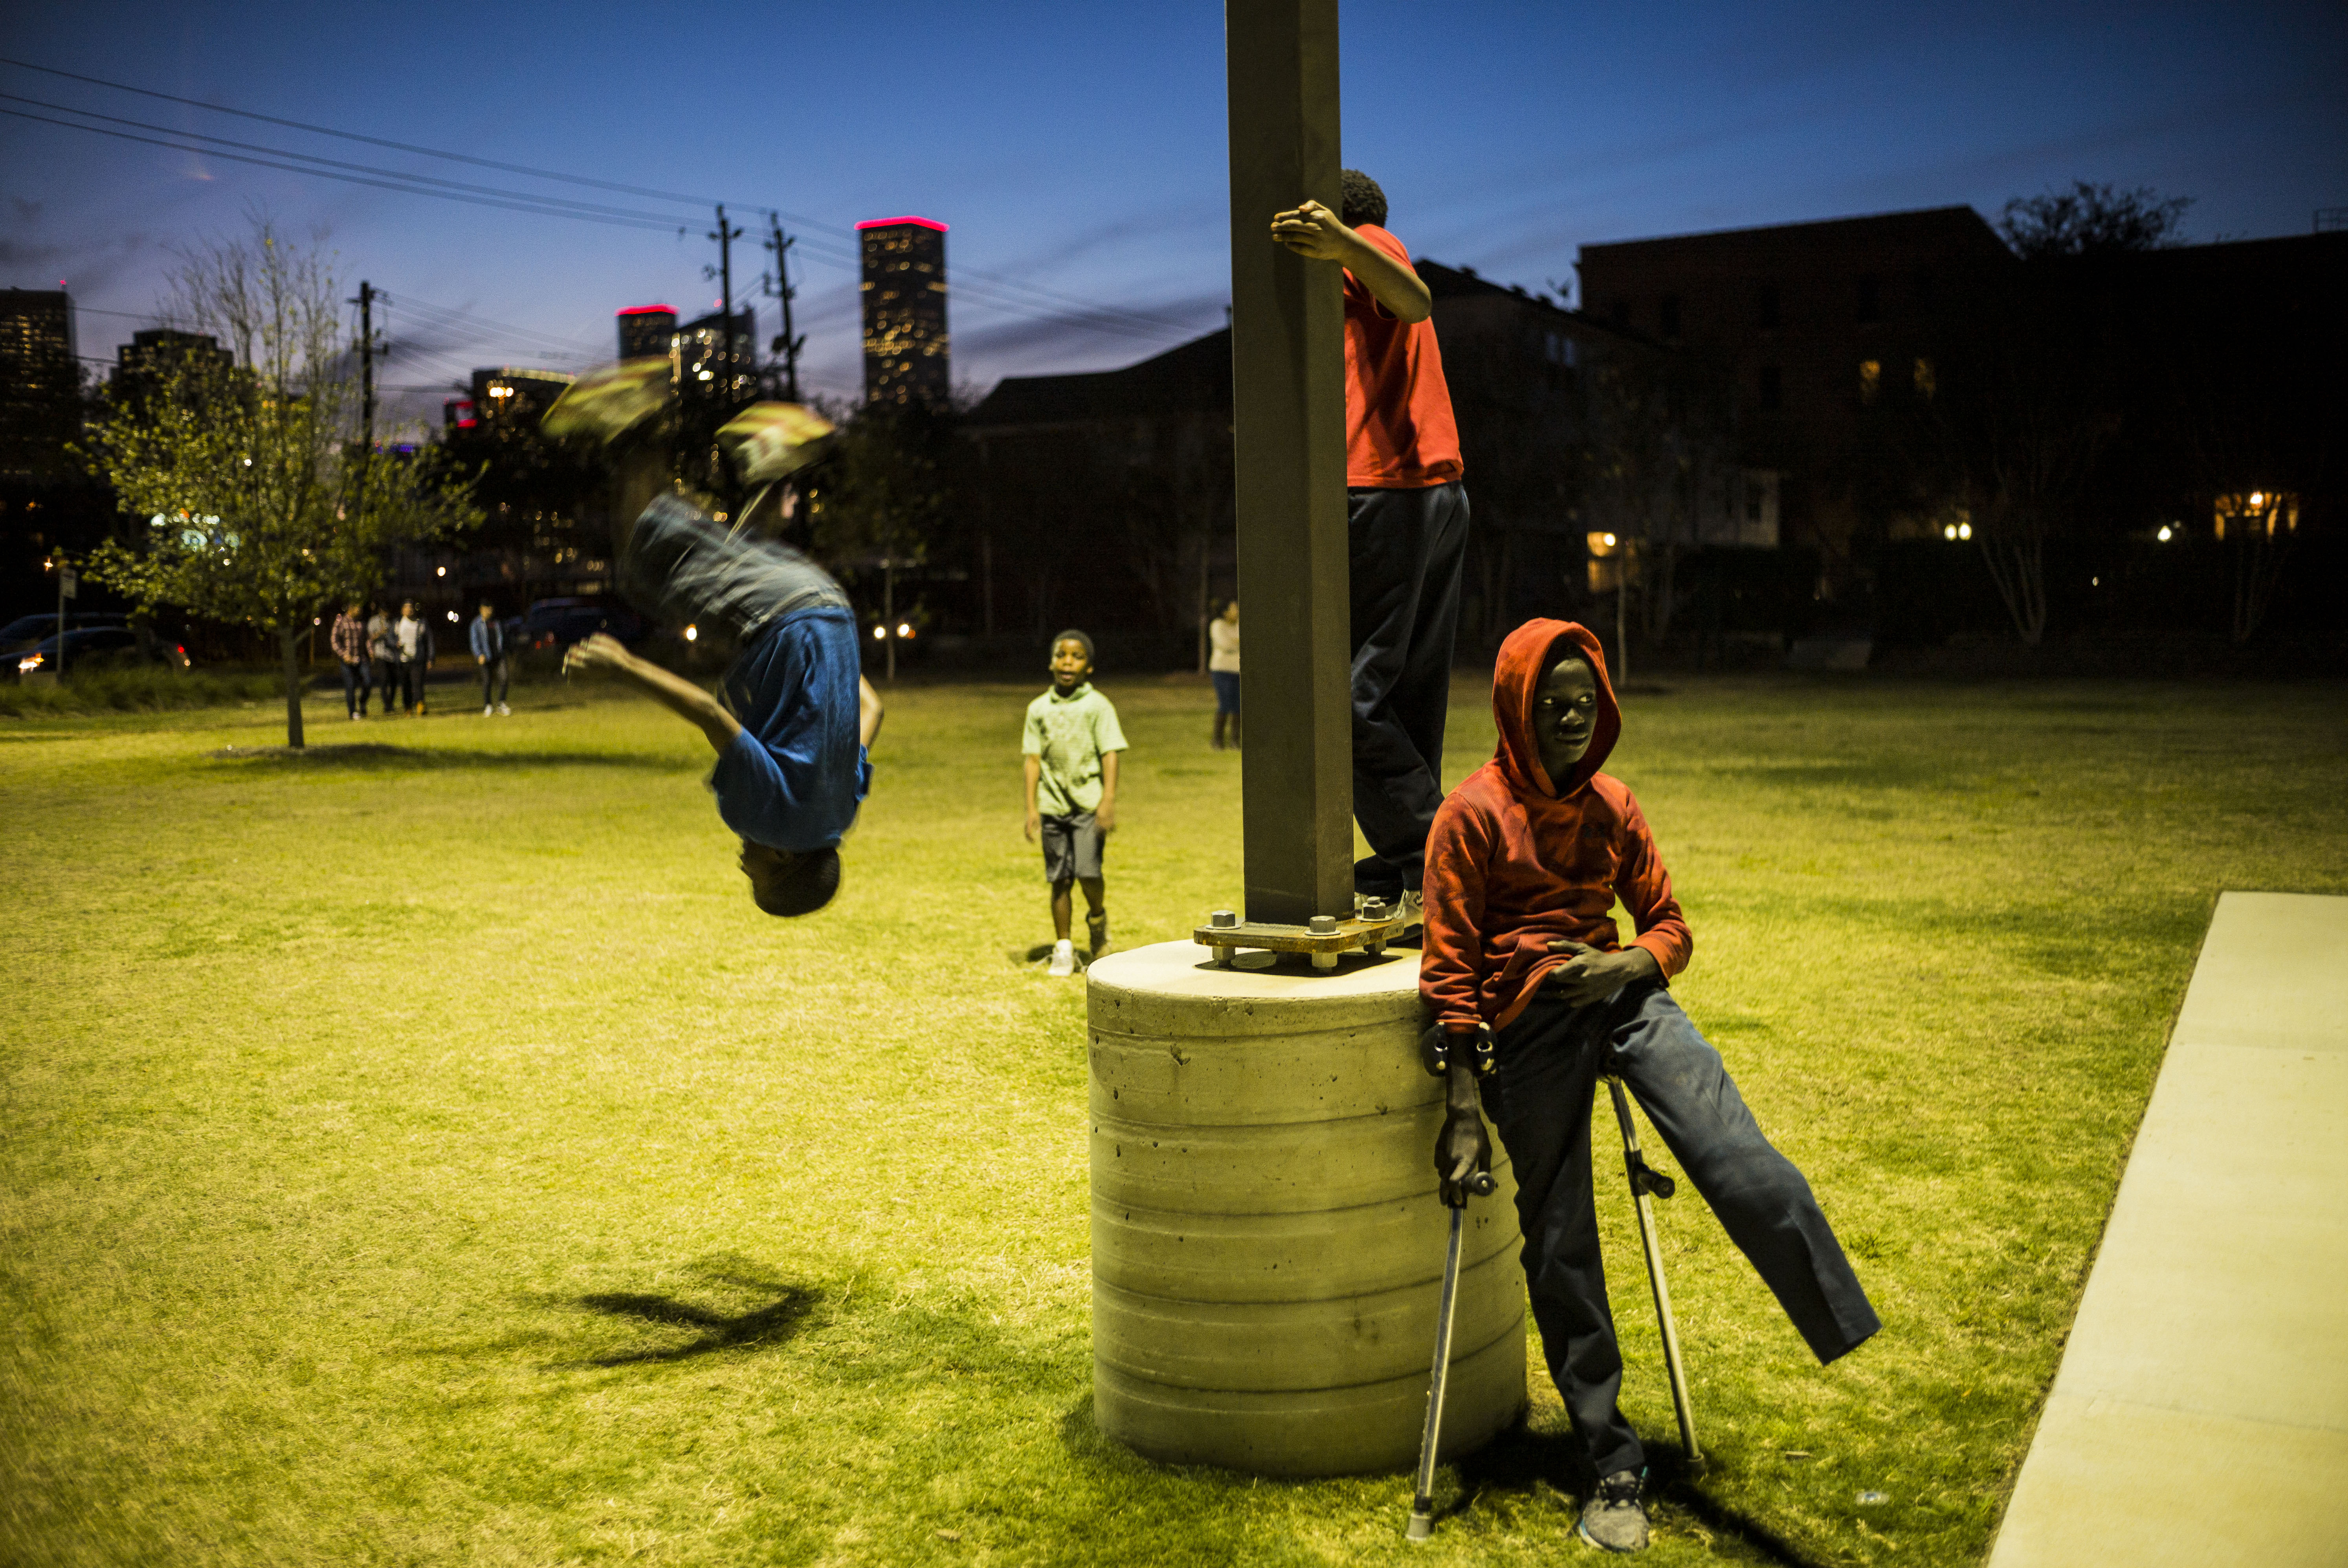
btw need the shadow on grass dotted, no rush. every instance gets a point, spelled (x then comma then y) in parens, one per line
(376, 757)
(771, 1324)
(1520, 1458)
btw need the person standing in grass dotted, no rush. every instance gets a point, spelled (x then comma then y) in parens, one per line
(349, 640)
(486, 637)
(384, 652)
(406, 639)
(1223, 669)
(1070, 747)
(1528, 856)
(794, 729)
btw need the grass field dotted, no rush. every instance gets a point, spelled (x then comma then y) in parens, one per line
(420, 1151)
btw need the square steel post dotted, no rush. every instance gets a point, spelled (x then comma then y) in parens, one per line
(1288, 411)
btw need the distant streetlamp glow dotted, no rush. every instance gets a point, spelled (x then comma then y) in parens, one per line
(904, 630)
(1610, 541)
(440, 571)
(880, 631)
(693, 634)
(1964, 530)
(2163, 535)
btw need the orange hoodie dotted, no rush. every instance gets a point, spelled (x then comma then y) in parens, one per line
(1515, 861)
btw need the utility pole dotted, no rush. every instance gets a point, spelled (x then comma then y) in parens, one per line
(726, 234)
(788, 345)
(365, 303)
(1288, 395)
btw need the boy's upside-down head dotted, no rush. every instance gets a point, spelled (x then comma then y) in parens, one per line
(790, 882)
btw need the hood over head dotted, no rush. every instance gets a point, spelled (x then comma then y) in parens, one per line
(1528, 654)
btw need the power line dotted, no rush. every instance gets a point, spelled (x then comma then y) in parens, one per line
(326, 163)
(524, 203)
(1010, 294)
(373, 140)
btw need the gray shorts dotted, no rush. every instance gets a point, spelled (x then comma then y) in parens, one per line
(1071, 848)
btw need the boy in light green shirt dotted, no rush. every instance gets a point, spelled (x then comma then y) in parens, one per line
(1071, 743)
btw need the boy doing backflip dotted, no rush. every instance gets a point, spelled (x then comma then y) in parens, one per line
(792, 731)
(1070, 746)
(1527, 859)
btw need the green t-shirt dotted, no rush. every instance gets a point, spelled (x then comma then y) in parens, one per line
(1069, 733)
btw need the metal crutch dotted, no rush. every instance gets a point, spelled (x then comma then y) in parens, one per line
(1435, 1049)
(1645, 1178)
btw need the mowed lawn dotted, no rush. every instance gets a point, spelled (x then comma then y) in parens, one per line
(421, 1152)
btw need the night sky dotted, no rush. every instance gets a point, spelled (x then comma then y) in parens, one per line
(1077, 149)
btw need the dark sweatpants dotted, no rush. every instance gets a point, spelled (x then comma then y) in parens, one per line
(1539, 1098)
(1406, 550)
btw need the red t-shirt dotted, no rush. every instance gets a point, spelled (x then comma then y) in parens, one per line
(1398, 430)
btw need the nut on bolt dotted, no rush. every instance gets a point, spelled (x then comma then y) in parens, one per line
(1323, 924)
(1223, 920)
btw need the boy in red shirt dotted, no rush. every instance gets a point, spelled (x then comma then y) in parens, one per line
(1526, 861)
(1407, 528)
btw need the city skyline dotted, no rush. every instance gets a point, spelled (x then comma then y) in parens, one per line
(1083, 170)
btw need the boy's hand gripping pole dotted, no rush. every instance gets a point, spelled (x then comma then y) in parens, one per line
(1461, 1161)
(1645, 1180)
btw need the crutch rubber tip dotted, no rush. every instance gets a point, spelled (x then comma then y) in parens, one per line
(1422, 1526)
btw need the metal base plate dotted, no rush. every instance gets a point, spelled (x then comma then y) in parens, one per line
(1346, 934)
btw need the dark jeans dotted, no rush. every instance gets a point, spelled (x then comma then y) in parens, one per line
(386, 682)
(355, 685)
(1227, 690)
(1549, 1063)
(1406, 548)
(681, 567)
(498, 671)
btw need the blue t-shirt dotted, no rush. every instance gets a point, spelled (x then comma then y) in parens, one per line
(794, 776)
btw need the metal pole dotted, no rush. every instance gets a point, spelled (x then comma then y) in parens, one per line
(1288, 400)
(1422, 1497)
(1644, 1181)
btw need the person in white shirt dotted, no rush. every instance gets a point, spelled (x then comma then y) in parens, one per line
(1223, 665)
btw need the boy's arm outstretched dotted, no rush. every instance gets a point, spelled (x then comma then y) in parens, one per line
(674, 692)
(689, 702)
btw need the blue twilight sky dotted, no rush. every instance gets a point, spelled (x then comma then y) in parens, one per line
(1077, 149)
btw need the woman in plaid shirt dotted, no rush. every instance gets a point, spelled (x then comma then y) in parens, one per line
(350, 644)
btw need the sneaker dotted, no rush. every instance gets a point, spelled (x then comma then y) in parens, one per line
(506, 711)
(1614, 1520)
(486, 709)
(606, 404)
(1097, 928)
(1064, 959)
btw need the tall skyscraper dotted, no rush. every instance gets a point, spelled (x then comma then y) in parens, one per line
(646, 330)
(40, 382)
(904, 286)
(149, 355)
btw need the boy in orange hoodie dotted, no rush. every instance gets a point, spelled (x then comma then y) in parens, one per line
(1525, 862)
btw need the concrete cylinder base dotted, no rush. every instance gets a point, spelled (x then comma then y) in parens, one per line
(1266, 1241)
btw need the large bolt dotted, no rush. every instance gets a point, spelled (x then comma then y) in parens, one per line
(1323, 924)
(1223, 920)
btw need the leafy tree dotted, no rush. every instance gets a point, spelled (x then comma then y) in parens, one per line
(883, 495)
(263, 510)
(2093, 221)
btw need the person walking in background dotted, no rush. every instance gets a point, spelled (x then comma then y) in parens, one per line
(349, 640)
(1223, 667)
(385, 652)
(1070, 747)
(404, 634)
(487, 637)
(421, 664)
(1406, 530)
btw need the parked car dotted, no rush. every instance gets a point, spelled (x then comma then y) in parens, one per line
(101, 645)
(559, 622)
(27, 629)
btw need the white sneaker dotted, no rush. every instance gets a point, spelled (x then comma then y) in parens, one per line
(486, 709)
(506, 711)
(1064, 959)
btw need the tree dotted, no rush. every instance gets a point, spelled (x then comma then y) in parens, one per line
(882, 496)
(262, 509)
(2093, 221)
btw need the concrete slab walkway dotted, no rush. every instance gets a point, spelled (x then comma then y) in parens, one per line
(2200, 1414)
